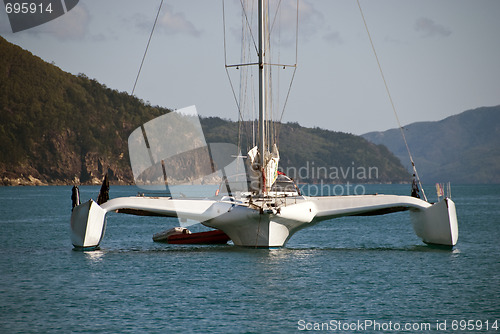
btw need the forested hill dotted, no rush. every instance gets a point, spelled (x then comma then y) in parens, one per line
(318, 155)
(57, 128)
(463, 148)
(60, 128)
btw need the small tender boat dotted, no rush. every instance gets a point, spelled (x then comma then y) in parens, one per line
(181, 235)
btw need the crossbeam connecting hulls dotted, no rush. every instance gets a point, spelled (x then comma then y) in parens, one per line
(249, 225)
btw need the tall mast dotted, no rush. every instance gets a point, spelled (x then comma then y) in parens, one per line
(262, 90)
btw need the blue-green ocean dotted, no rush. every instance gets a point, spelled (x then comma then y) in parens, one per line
(349, 275)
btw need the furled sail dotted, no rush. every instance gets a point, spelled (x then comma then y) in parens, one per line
(254, 173)
(271, 167)
(266, 175)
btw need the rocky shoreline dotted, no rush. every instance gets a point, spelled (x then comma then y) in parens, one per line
(33, 181)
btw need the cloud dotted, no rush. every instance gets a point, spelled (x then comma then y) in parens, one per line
(429, 28)
(71, 26)
(311, 20)
(283, 22)
(176, 23)
(333, 38)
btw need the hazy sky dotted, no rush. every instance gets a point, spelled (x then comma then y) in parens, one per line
(439, 57)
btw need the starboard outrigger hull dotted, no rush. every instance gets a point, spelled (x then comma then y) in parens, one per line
(252, 227)
(438, 224)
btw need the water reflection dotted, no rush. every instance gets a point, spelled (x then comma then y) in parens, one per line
(94, 256)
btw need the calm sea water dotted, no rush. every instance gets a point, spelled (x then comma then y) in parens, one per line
(348, 270)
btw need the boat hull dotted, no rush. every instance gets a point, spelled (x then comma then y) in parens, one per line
(433, 223)
(215, 237)
(252, 227)
(248, 224)
(437, 225)
(88, 224)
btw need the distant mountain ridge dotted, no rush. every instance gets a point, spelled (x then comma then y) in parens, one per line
(57, 128)
(463, 148)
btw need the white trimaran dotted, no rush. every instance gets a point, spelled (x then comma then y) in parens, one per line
(268, 210)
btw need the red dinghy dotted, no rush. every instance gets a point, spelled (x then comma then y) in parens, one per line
(181, 235)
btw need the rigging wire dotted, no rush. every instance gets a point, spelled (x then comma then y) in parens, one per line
(246, 79)
(392, 102)
(278, 15)
(272, 106)
(244, 128)
(249, 26)
(238, 104)
(293, 74)
(275, 15)
(147, 47)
